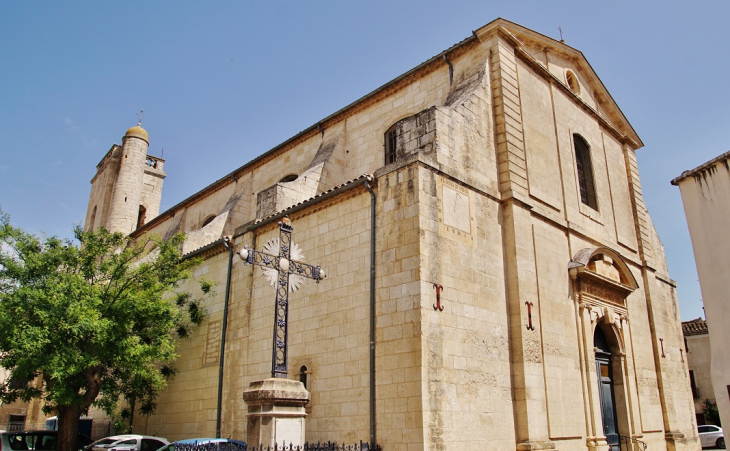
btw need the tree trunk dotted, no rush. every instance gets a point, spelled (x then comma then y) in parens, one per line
(68, 428)
(132, 402)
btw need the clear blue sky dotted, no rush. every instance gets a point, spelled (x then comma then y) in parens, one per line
(222, 82)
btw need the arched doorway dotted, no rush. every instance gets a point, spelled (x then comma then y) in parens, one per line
(604, 374)
(602, 285)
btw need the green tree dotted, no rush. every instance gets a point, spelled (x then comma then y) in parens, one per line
(96, 320)
(711, 412)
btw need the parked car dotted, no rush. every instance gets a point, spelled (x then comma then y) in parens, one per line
(130, 442)
(34, 441)
(205, 444)
(85, 425)
(711, 436)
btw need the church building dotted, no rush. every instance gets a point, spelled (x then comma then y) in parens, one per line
(493, 278)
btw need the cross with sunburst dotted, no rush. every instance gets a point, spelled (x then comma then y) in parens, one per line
(284, 269)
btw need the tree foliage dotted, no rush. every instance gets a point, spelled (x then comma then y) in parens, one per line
(711, 412)
(90, 321)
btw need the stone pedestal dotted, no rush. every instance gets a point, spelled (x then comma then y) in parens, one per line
(276, 412)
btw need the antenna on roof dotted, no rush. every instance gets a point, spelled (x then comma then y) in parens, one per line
(141, 115)
(561, 35)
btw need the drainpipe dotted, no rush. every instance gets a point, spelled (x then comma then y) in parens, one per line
(372, 312)
(228, 245)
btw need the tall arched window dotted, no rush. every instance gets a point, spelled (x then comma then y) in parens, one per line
(391, 142)
(90, 226)
(141, 217)
(585, 172)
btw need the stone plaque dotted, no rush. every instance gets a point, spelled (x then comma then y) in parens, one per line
(456, 209)
(289, 430)
(455, 212)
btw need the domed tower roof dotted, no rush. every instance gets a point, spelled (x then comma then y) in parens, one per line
(138, 132)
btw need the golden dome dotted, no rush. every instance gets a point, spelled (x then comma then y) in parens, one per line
(138, 132)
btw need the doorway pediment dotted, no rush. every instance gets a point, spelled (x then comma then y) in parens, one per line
(602, 276)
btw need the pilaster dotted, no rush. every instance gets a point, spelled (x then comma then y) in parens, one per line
(510, 142)
(526, 360)
(641, 215)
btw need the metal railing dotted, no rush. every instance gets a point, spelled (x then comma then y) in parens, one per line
(627, 441)
(242, 446)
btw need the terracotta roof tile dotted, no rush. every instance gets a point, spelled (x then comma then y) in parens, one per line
(694, 327)
(318, 196)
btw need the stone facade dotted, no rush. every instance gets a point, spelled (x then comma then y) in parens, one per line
(469, 169)
(706, 197)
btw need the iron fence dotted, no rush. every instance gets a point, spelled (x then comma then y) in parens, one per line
(242, 446)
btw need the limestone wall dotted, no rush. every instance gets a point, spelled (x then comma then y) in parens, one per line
(154, 175)
(328, 333)
(467, 396)
(102, 186)
(699, 358)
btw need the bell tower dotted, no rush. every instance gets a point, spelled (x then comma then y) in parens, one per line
(127, 187)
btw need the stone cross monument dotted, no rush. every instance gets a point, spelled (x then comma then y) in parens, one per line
(276, 405)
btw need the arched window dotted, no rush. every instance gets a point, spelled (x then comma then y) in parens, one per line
(141, 216)
(303, 376)
(585, 172)
(289, 178)
(208, 220)
(391, 142)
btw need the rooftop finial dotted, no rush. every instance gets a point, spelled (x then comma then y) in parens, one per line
(561, 34)
(141, 115)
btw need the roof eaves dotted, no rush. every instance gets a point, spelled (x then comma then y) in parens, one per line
(703, 167)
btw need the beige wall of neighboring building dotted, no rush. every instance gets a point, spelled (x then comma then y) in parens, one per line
(483, 199)
(706, 198)
(699, 359)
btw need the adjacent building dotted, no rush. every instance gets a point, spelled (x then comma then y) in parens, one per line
(699, 358)
(494, 280)
(706, 198)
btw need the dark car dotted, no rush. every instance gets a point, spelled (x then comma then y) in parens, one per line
(34, 441)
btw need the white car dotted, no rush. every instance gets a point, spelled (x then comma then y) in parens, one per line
(711, 436)
(129, 442)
